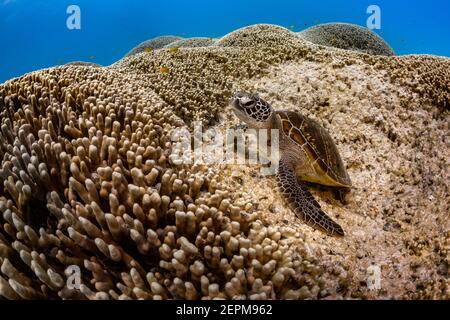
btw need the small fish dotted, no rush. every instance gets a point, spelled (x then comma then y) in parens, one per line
(148, 50)
(164, 70)
(91, 57)
(292, 27)
(173, 49)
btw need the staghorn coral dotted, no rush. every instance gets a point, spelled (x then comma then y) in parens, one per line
(347, 36)
(88, 177)
(192, 43)
(155, 43)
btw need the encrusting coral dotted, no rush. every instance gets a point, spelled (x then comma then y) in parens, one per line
(88, 177)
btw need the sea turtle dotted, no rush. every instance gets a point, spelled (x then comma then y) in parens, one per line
(307, 154)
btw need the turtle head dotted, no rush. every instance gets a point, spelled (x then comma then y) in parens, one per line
(252, 110)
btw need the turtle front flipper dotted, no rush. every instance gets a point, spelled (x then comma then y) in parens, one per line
(303, 203)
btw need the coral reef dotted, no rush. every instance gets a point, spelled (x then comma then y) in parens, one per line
(91, 183)
(347, 36)
(242, 54)
(192, 43)
(153, 44)
(88, 177)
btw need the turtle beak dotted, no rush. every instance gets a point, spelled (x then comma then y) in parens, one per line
(234, 102)
(238, 111)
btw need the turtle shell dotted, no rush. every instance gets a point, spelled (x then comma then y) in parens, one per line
(318, 145)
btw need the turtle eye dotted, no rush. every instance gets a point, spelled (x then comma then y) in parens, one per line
(248, 104)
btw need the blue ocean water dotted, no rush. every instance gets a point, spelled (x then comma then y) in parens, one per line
(34, 34)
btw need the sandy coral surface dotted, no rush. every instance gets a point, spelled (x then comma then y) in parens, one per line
(88, 178)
